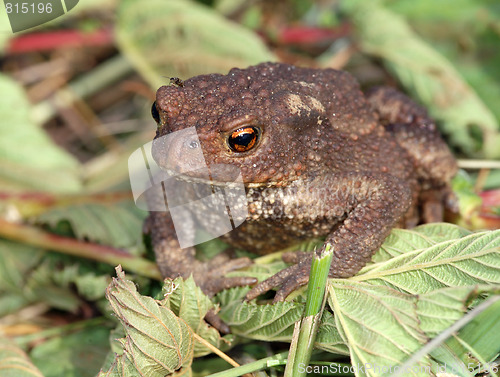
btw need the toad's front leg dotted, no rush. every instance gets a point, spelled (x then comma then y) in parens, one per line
(371, 206)
(174, 261)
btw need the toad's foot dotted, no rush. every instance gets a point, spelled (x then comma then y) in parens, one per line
(289, 279)
(209, 276)
(293, 277)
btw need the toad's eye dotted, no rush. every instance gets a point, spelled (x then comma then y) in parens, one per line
(154, 113)
(243, 139)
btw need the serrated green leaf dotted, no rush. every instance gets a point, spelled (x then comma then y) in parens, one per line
(14, 362)
(402, 240)
(264, 322)
(183, 38)
(188, 302)
(439, 232)
(379, 324)
(122, 367)
(439, 309)
(233, 296)
(116, 224)
(399, 242)
(28, 157)
(157, 343)
(457, 356)
(472, 259)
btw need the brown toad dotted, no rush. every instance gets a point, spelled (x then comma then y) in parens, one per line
(318, 159)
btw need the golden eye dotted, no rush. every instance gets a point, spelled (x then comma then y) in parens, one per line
(243, 139)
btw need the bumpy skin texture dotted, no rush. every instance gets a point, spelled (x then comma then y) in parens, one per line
(329, 162)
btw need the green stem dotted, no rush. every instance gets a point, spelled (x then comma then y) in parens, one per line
(278, 359)
(36, 237)
(300, 354)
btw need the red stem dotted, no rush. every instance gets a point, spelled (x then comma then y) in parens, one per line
(59, 39)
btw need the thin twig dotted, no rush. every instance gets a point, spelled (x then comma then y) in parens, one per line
(479, 164)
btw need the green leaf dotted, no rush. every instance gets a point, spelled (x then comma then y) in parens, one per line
(459, 357)
(478, 341)
(122, 367)
(29, 158)
(444, 359)
(463, 261)
(66, 273)
(428, 76)
(439, 309)
(379, 324)
(79, 354)
(329, 338)
(384, 327)
(14, 362)
(90, 285)
(273, 322)
(116, 224)
(16, 260)
(183, 38)
(418, 261)
(27, 277)
(264, 322)
(402, 240)
(443, 23)
(30, 275)
(261, 271)
(11, 303)
(189, 303)
(157, 343)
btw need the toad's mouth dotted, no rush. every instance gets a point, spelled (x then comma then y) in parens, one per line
(220, 175)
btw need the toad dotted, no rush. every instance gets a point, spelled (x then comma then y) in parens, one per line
(318, 158)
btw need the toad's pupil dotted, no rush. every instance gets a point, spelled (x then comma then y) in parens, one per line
(154, 113)
(243, 139)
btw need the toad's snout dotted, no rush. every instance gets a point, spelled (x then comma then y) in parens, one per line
(179, 151)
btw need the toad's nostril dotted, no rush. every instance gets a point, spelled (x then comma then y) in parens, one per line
(194, 144)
